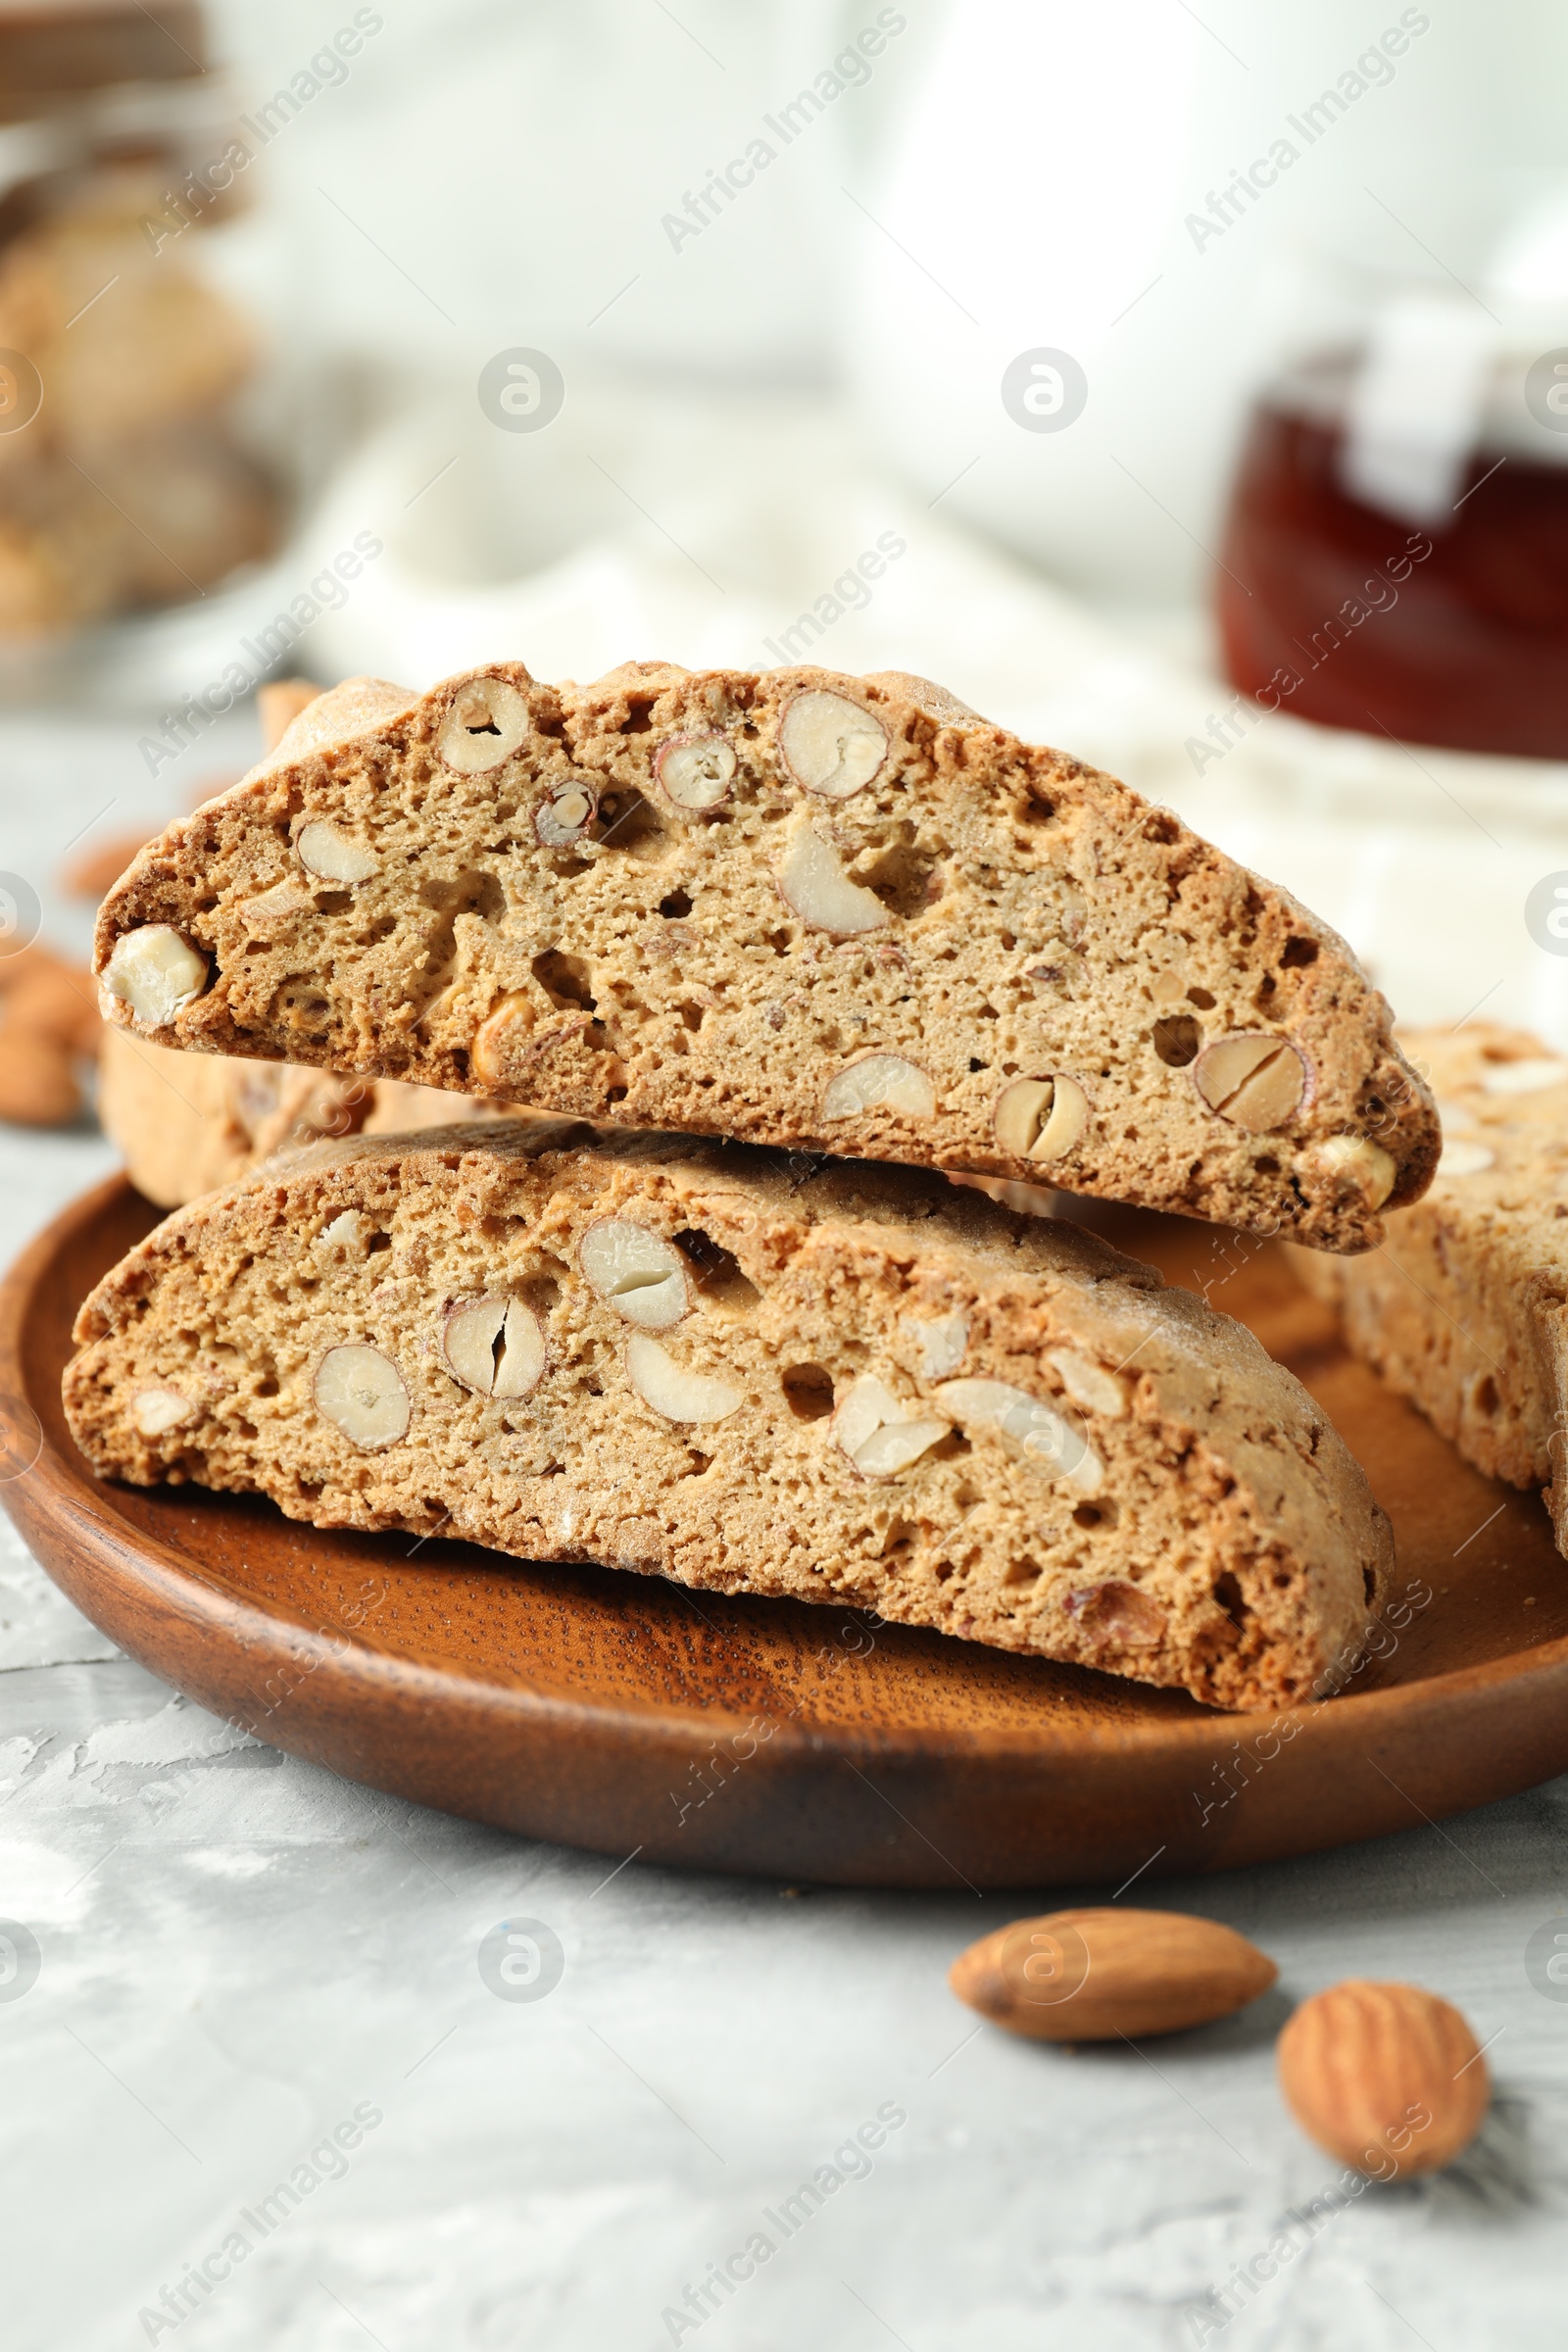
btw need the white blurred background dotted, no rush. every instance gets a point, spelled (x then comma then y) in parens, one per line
(759, 381)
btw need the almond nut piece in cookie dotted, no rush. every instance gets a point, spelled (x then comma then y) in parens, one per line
(829, 745)
(1090, 1385)
(942, 1341)
(1356, 1160)
(487, 720)
(155, 1412)
(643, 1277)
(1256, 1082)
(505, 1030)
(565, 816)
(360, 1392)
(325, 852)
(879, 1435)
(813, 885)
(1387, 2078)
(1102, 1974)
(672, 1390)
(1049, 1442)
(494, 1346)
(155, 973)
(879, 1082)
(1041, 1118)
(695, 771)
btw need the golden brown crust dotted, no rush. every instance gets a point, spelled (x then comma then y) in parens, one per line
(1026, 918)
(1163, 1502)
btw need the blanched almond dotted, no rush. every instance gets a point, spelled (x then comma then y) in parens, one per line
(695, 771)
(879, 1082)
(942, 1341)
(830, 745)
(155, 1411)
(494, 1346)
(1090, 1385)
(154, 974)
(1354, 1160)
(1052, 1443)
(324, 850)
(881, 1436)
(673, 1389)
(812, 883)
(360, 1392)
(640, 1275)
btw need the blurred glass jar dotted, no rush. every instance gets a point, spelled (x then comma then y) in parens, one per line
(123, 480)
(1396, 555)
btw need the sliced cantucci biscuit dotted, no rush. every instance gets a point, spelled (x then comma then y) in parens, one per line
(796, 909)
(839, 1382)
(1465, 1309)
(187, 1123)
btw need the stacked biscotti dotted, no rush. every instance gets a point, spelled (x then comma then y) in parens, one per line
(1464, 1308)
(792, 929)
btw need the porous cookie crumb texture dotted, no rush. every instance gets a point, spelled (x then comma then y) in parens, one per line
(847, 1384)
(798, 908)
(1465, 1309)
(189, 1124)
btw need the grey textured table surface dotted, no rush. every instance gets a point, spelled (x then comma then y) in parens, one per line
(245, 1963)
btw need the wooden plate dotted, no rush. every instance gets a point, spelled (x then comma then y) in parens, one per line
(608, 1710)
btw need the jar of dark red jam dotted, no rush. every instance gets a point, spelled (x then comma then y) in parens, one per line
(1396, 555)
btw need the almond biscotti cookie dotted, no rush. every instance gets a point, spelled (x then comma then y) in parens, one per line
(187, 1123)
(1465, 1309)
(795, 909)
(847, 1384)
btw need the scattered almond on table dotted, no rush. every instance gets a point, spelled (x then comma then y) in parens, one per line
(48, 1022)
(98, 866)
(1097, 1974)
(1387, 2078)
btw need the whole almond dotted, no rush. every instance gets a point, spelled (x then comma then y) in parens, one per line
(279, 705)
(59, 1003)
(1093, 1974)
(93, 872)
(1384, 2076)
(37, 1084)
(24, 965)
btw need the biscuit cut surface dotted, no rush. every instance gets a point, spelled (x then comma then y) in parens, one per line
(796, 909)
(846, 1384)
(1465, 1309)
